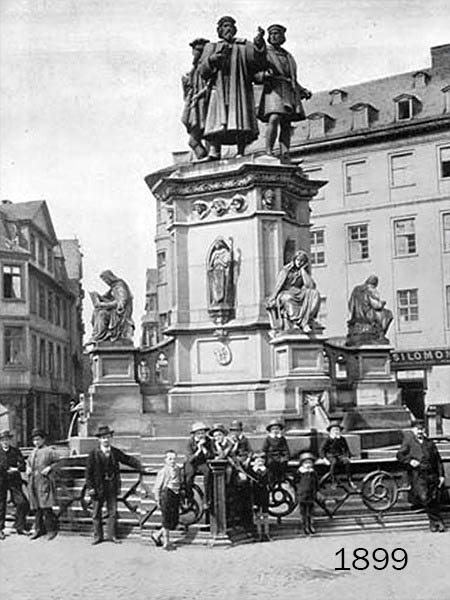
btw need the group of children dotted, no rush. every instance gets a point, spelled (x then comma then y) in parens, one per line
(250, 476)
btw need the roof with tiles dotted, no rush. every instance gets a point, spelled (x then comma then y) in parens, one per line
(426, 86)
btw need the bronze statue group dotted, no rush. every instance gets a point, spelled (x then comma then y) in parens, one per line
(250, 478)
(219, 101)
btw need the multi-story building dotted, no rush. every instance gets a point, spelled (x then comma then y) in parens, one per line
(40, 321)
(383, 146)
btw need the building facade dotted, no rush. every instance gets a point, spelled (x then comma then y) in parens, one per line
(41, 325)
(384, 148)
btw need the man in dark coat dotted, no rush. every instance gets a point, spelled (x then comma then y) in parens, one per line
(12, 464)
(425, 470)
(103, 482)
(229, 65)
(198, 452)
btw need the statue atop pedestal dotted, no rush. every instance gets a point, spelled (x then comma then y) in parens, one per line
(295, 301)
(111, 319)
(369, 319)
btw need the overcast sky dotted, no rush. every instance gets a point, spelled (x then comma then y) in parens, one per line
(91, 97)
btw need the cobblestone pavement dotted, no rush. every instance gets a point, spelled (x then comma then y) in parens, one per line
(69, 568)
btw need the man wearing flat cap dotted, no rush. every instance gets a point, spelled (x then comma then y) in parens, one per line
(12, 464)
(229, 65)
(41, 465)
(425, 471)
(103, 482)
(281, 100)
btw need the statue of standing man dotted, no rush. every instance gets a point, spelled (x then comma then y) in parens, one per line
(281, 100)
(229, 65)
(196, 93)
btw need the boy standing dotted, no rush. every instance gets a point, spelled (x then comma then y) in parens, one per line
(276, 450)
(41, 486)
(306, 486)
(167, 495)
(336, 453)
(259, 475)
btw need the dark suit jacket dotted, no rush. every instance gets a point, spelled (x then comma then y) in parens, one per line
(335, 448)
(192, 447)
(426, 453)
(96, 467)
(276, 449)
(12, 458)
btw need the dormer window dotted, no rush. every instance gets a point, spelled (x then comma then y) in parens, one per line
(337, 96)
(446, 92)
(420, 79)
(319, 124)
(363, 115)
(407, 106)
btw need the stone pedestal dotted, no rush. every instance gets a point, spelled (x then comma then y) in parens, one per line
(252, 215)
(114, 396)
(366, 389)
(219, 507)
(300, 378)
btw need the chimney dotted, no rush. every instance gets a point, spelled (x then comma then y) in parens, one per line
(440, 57)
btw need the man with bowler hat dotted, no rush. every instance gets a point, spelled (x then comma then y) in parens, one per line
(12, 463)
(103, 482)
(426, 472)
(41, 486)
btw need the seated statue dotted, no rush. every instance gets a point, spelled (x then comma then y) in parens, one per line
(369, 319)
(295, 300)
(111, 319)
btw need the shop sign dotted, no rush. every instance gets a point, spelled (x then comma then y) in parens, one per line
(413, 358)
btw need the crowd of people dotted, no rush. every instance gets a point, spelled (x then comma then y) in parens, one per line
(250, 478)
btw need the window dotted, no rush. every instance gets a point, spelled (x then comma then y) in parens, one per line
(161, 265)
(34, 354)
(318, 247)
(447, 304)
(41, 369)
(33, 246)
(41, 256)
(446, 231)
(50, 315)
(446, 92)
(14, 345)
(355, 176)
(58, 362)
(404, 109)
(33, 295)
(41, 298)
(66, 374)
(401, 169)
(50, 260)
(57, 310)
(51, 359)
(404, 237)
(358, 242)
(12, 282)
(407, 306)
(444, 161)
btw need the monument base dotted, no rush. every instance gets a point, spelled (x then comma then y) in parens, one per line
(115, 395)
(300, 379)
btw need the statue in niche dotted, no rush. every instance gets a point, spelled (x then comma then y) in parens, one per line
(221, 281)
(369, 319)
(295, 301)
(111, 319)
(228, 65)
(195, 92)
(281, 100)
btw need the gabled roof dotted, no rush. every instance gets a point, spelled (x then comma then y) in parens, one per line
(35, 212)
